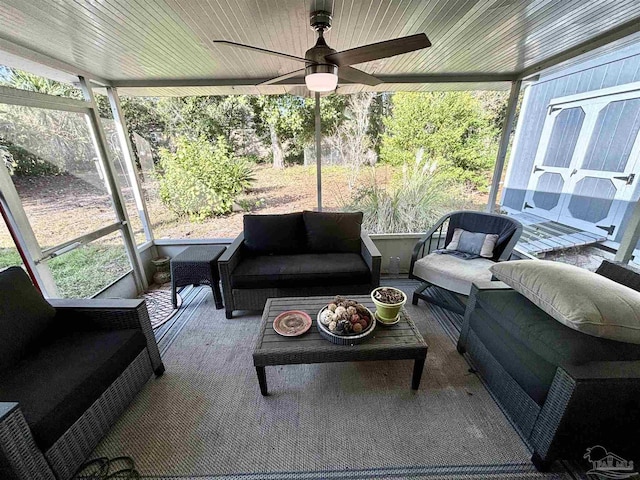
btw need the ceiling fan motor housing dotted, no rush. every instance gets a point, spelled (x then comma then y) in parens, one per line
(321, 20)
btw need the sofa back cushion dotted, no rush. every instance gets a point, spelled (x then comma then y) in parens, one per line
(274, 234)
(24, 315)
(580, 299)
(333, 232)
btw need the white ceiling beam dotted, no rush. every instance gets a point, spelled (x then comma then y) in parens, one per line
(601, 40)
(251, 82)
(23, 58)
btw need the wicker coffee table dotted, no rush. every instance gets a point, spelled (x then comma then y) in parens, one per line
(397, 342)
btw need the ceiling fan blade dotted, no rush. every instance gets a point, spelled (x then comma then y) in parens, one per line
(295, 73)
(376, 51)
(261, 50)
(357, 76)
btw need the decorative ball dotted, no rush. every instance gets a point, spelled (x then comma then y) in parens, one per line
(340, 311)
(355, 318)
(344, 327)
(332, 326)
(356, 327)
(332, 307)
(351, 310)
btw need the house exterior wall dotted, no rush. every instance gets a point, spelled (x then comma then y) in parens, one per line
(612, 70)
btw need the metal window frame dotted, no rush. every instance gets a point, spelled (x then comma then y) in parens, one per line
(36, 258)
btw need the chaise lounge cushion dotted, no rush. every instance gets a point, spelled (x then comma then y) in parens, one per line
(312, 269)
(580, 299)
(539, 332)
(333, 232)
(274, 234)
(25, 315)
(55, 385)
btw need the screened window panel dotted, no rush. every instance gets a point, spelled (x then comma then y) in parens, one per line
(615, 133)
(564, 137)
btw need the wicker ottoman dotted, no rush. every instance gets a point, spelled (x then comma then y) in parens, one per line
(197, 266)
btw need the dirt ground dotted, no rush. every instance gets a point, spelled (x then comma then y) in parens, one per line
(64, 207)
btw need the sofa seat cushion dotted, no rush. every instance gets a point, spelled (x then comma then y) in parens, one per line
(531, 371)
(451, 272)
(55, 385)
(307, 270)
(553, 341)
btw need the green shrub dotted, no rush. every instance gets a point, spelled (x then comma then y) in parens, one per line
(410, 204)
(201, 179)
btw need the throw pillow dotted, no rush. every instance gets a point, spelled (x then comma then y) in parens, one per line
(274, 234)
(481, 244)
(580, 299)
(331, 232)
(24, 315)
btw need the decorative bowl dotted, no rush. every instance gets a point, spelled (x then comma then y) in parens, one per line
(346, 339)
(292, 323)
(387, 312)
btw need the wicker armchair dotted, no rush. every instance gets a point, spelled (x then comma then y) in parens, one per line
(450, 272)
(21, 455)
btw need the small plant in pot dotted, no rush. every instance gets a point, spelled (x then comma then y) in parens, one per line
(388, 302)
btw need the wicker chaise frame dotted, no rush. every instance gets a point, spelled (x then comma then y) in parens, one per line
(255, 299)
(20, 457)
(581, 399)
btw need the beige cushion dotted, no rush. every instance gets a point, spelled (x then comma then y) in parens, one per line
(451, 272)
(580, 299)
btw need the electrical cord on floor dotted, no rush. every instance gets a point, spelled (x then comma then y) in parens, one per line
(103, 468)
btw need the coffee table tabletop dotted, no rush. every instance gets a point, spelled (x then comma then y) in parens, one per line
(397, 342)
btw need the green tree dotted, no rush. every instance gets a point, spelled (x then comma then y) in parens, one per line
(449, 128)
(287, 122)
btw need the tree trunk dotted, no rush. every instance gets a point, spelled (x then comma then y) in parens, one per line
(278, 154)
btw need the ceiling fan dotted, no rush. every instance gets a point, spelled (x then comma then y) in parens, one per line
(324, 66)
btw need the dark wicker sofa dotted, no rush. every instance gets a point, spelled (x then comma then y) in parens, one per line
(564, 390)
(297, 255)
(68, 369)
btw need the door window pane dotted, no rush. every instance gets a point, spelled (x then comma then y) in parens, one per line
(564, 136)
(56, 172)
(84, 271)
(615, 133)
(9, 256)
(124, 180)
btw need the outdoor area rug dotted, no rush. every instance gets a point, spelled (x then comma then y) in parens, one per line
(205, 418)
(159, 305)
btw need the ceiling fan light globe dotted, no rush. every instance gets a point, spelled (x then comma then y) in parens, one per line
(321, 82)
(321, 77)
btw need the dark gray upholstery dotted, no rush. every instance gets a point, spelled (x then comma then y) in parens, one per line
(311, 269)
(25, 315)
(337, 258)
(57, 382)
(81, 363)
(553, 341)
(532, 372)
(274, 234)
(331, 232)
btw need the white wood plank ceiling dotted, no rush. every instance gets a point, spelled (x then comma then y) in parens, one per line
(140, 45)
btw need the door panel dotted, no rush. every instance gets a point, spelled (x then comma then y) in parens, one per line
(587, 161)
